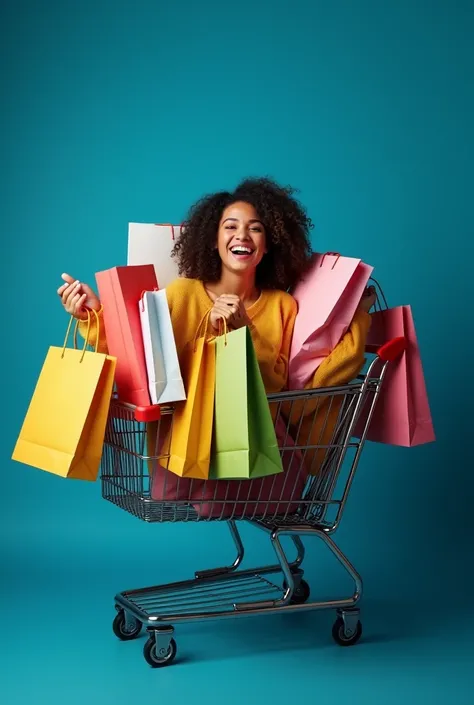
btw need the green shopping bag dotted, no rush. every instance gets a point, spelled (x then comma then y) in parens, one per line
(245, 444)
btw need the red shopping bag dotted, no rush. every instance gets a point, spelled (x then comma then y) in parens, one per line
(402, 414)
(327, 298)
(120, 290)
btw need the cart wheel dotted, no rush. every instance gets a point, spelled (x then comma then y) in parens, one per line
(158, 661)
(341, 638)
(120, 630)
(301, 594)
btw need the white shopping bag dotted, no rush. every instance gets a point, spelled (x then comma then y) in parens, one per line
(152, 244)
(164, 375)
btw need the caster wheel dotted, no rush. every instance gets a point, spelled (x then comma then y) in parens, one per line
(120, 628)
(155, 660)
(301, 594)
(343, 639)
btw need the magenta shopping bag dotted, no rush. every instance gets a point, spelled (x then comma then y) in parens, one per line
(236, 499)
(402, 414)
(275, 495)
(327, 297)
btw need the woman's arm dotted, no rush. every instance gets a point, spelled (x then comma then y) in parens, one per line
(347, 359)
(340, 367)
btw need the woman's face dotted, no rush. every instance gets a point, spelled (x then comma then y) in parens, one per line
(241, 238)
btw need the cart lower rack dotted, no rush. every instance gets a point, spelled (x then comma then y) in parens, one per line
(320, 454)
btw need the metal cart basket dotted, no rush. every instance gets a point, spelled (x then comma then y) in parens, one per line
(320, 453)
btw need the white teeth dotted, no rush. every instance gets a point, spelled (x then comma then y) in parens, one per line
(241, 250)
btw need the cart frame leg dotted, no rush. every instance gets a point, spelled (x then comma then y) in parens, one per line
(226, 570)
(290, 575)
(293, 575)
(213, 572)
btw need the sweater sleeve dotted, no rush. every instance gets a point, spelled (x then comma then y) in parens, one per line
(273, 360)
(347, 359)
(94, 331)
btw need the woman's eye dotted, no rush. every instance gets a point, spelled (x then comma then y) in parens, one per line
(230, 227)
(257, 229)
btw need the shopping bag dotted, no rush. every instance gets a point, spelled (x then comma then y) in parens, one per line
(165, 486)
(152, 244)
(245, 444)
(120, 290)
(402, 414)
(168, 487)
(190, 436)
(327, 297)
(64, 428)
(165, 383)
(269, 496)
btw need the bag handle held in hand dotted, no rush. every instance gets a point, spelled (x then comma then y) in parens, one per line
(86, 340)
(381, 303)
(225, 331)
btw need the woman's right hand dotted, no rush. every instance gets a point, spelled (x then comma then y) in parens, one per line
(230, 308)
(77, 297)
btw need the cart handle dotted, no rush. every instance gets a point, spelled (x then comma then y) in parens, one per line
(390, 351)
(147, 414)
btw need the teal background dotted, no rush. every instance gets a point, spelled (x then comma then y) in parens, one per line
(117, 111)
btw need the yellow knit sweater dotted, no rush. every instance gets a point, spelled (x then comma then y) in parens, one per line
(272, 320)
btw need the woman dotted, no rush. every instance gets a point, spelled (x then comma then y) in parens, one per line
(239, 254)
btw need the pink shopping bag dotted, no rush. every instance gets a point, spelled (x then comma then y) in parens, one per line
(327, 298)
(402, 414)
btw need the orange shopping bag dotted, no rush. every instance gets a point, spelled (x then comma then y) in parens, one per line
(191, 433)
(64, 428)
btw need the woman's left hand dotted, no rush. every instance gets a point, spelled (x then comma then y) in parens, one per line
(238, 317)
(368, 299)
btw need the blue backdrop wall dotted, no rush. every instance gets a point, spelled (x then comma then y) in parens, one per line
(115, 112)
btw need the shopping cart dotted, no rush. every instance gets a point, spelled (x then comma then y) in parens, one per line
(320, 474)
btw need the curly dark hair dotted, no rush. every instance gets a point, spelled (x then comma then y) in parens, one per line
(287, 231)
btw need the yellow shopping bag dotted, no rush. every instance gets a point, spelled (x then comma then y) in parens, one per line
(190, 439)
(64, 428)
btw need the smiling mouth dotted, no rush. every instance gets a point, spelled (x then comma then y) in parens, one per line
(241, 251)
